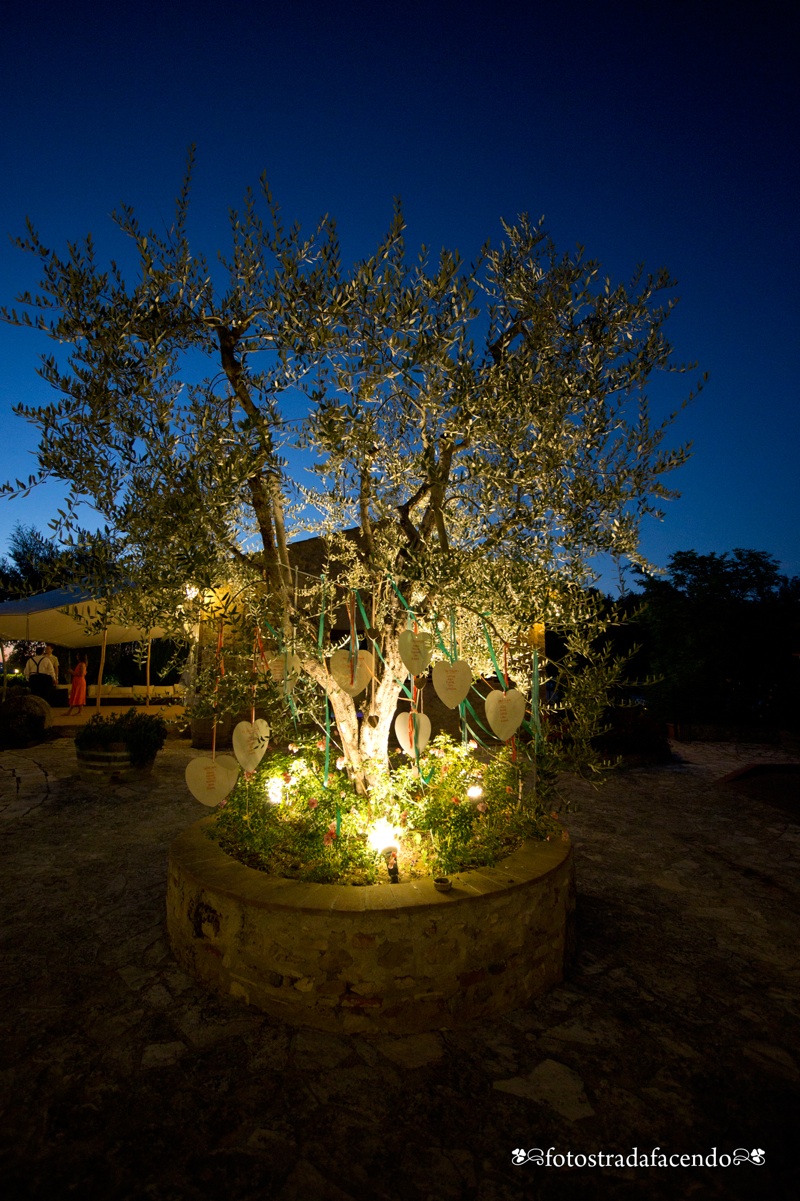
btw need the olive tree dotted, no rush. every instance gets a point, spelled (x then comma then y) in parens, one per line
(477, 433)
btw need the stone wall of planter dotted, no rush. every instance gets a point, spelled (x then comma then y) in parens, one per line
(397, 958)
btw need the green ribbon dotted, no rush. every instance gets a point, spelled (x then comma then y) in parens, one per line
(536, 721)
(498, 670)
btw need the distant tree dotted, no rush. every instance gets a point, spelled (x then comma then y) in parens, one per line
(28, 566)
(478, 433)
(721, 633)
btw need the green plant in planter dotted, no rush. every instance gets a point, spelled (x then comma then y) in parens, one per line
(233, 695)
(455, 813)
(143, 734)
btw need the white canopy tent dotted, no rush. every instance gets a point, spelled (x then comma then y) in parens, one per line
(61, 617)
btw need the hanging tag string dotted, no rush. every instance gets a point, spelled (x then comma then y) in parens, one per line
(220, 673)
(505, 674)
(255, 679)
(351, 613)
(321, 632)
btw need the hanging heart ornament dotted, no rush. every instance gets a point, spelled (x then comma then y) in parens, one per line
(416, 651)
(210, 780)
(505, 711)
(404, 732)
(250, 741)
(352, 673)
(285, 669)
(452, 681)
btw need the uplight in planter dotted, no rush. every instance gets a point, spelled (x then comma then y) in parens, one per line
(474, 792)
(382, 835)
(275, 790)
(384, 838)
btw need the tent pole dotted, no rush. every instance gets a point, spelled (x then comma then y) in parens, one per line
(100, 672)
(147, 675)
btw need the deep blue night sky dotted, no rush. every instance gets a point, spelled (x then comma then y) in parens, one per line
(648, 132)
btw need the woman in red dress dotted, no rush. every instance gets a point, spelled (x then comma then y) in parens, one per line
(77, 693)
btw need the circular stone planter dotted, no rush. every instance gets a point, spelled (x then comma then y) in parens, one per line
(397, 958)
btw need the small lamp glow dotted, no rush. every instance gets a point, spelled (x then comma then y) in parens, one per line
(474, 792)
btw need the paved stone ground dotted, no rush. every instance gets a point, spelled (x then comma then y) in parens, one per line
(677, 1027)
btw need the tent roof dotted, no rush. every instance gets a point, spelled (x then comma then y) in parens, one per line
(58, 617)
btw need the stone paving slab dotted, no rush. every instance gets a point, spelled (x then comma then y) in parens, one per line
(677, 1027)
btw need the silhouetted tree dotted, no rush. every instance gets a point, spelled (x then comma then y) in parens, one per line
(722, 632)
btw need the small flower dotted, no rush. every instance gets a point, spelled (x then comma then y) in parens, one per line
(294, 748)
(340, 762)
(456, 800)
(313, 802)
(248, 775)
(287, 777)
(321, 744)
(509, 789)
(482, 806)
(404, 818)
(472, 744)
(327, 838)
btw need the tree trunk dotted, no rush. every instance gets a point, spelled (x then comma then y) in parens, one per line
(364, 743)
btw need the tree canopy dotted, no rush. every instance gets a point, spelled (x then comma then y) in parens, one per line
(477, 433)
(721, 632)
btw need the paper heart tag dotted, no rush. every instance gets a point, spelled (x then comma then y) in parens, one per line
(210, 780)
(250, 741)
(504, 712)
(452, 681)
(285, 669)
(402, 730)
(342, 670)
(416, 651)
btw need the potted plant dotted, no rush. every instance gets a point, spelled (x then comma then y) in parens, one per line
(120, 746)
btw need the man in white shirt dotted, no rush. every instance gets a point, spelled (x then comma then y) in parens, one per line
(41, 674)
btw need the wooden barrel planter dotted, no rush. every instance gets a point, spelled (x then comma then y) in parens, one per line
(395, 958)
(110, 763)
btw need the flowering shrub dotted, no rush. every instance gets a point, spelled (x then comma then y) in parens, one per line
(455, 813)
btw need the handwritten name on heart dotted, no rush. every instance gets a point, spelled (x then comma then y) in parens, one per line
(352, 674)
(416, 651)
(285, 669)
(210, 780)
(405, 733)
(505, 711)
(452, 681)
(250, 741)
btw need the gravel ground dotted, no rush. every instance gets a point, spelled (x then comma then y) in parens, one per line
(676, 1028)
